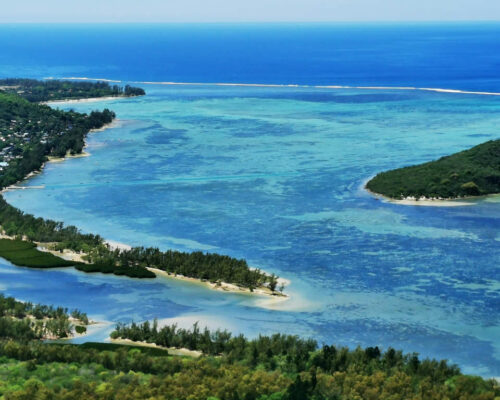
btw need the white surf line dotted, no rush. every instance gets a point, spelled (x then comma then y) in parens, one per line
(83, 78)
(439, 90)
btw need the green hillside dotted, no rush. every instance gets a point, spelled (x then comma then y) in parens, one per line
(473, 172)
(277, 367)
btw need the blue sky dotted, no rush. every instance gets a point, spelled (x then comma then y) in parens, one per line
(246, 10)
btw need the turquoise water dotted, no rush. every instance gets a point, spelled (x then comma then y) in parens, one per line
(275, 175)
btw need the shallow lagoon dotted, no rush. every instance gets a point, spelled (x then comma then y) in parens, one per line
(275, 175)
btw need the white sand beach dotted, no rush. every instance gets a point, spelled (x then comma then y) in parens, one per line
(171, 350)
(87, 100)
(224, 286)
(422, 201)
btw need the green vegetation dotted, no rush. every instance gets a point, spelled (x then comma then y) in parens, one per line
(80, 329)
(280, 367)
(472, 172)
(27, 321)
(23, 253)
(133, 271)
(132, 263)
(49, 90)
(16, 223)
(151, 351)
(31, 132)
(277, 367)
(205, 266)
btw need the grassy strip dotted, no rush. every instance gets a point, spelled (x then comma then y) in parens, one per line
(22, 253)
(25, 254)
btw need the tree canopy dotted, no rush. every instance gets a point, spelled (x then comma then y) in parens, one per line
(472, 172)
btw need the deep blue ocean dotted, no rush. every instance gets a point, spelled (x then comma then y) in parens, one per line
(275, 175)
(458, 56)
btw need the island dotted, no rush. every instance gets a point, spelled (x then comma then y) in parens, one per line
(469, 173)
(30, 134)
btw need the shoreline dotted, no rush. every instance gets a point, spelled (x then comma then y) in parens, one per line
(171, 350)
(70, 255)
(52, 159)
(68, 155)
(425, 202)
(224, 286)
(85, 100)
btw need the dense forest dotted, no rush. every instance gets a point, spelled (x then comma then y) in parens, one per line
(206, 266)
(472, 172)
(37, 91)
(29, 133)
(280, 367)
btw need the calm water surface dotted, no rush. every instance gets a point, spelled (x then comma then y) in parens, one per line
(275, 176)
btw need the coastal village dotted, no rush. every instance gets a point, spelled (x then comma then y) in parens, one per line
(19, 133)
(14, 139)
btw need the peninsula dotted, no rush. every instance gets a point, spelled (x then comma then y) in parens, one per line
(54, 90)
(469, 173)
(30, 133)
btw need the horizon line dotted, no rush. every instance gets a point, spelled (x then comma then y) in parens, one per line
(389, 21)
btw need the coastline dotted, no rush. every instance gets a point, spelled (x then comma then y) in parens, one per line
(423, 201)
(70, 255)
(15, 186)
(85, 100)
(171, 350)
(224, 286)
(68, 155)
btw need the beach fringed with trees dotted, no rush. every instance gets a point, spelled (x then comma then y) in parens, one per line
(54, 90)
(473, 172)
(33, 133)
